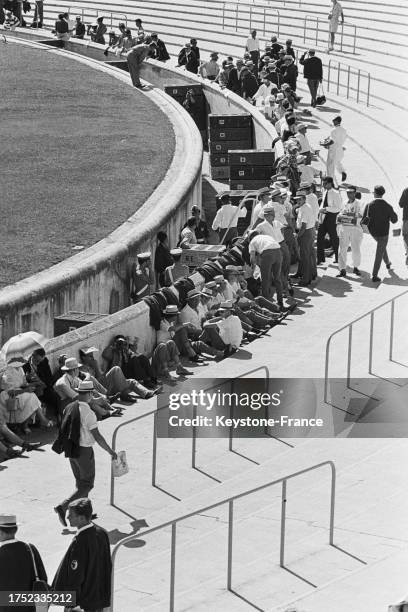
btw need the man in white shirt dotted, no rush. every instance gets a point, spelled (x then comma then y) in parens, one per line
(273, 227)
(335, 154)
(305, 148)
(306, 220)
(252, 47)
(230, 327)
(329, 209)
(334, 17)
(190, 337)
(268, 251)
(350, 232)
(83, 460)
(263, 92)
(226, 220)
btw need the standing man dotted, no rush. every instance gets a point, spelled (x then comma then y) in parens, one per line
(377, 216)
(312, 72)
(79, 432)
(305, 224)
(226, 220)
(289, 72)
(403, 203)
(158, 48)
(329, 209)
(141, 277)
(17, 559)
(335, 153)
(268, 251)
(334, 17)
(87, 566)
(350, 232)
(210, 70)
(252, 46)
(135, 58)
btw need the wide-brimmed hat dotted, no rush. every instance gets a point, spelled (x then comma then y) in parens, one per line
(193, 294)
(8, 520)
(144, 256)
(171, 309)
(268, 208)
(206, 292)
(280, 96)
(219, 278)
(228, 305)
(211, 285)
(85, 386)
(88, 350)
(70, 364)
(176, 251)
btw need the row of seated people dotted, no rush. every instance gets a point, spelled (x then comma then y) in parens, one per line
(213, 322)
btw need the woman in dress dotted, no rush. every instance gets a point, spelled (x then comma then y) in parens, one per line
(18, 402)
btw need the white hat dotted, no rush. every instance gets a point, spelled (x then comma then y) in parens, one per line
(85, 386)
(171, 309)
(176, 251)
(8, 520)
(70, 364)
(88, 350)
(144, 256)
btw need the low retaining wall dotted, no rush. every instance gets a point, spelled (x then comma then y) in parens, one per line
(95, 280)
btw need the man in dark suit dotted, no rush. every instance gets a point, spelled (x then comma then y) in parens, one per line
(86, 567)
(313, 72)
(17, 572)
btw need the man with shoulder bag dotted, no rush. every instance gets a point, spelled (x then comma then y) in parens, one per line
(21, 566)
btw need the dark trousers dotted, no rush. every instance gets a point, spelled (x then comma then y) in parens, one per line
(230, 234)
(380, 253)
(306, 255)
(313, 85)
(134, 64)
(83, 468)
(39, 12)
(327, 227)
(255, 58)
(271, 269)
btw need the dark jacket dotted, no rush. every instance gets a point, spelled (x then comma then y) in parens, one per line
(312, 67)
(249, 84)
(86, 569)
(162, 259)
(17, 571)
(159, 51)
(233, 81)
(69, 433)
(403, 203)
(378, 214)
(290, 75)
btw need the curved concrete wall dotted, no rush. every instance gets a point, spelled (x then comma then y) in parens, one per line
(92, 281)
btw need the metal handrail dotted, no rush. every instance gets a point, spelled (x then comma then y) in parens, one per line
(230, 501)
(154, 413)
(236, 8)
(351, 25)
(82, 10)
(349, 326)
(306, 19)
(341, 67)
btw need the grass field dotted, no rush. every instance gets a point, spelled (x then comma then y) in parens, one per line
(80, 152)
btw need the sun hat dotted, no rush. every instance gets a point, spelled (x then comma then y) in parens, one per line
(70, 364)
(171, 309)
(8, 520)
(85, 386)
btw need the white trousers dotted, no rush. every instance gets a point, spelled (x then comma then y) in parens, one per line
(349, 235)
(334, 162)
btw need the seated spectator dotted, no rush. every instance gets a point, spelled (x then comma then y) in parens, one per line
(98, 34)
(210, 70)
(249, 82)
(125, 369)
(18, 402)
(116, 40)
(188, 58)
(62, 28)
(11, 22)
(264, 90)
(289, 72)
(71, 24)
(301, 137)
(38, 372)
(166, 355)
(67, 389)
(201, 228)
(158, 48)
(234, 84)
(79, 29)
(177, 269)
(290, 96)
(141, 278)
(162, 258)
(223, 75)
(291, 129)
(126, 43)
(203, 340)
(187, 234)
(9, 439)
(140, 33)
(230, 328)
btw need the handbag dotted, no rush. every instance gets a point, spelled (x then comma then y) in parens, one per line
(320, 100)
(120, 465)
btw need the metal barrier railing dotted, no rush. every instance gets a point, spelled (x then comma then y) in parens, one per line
(95, 13)
(254, 17)
(349, 73)
(312, 25)
(349, 327)
(230, 501)
(154, 414)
